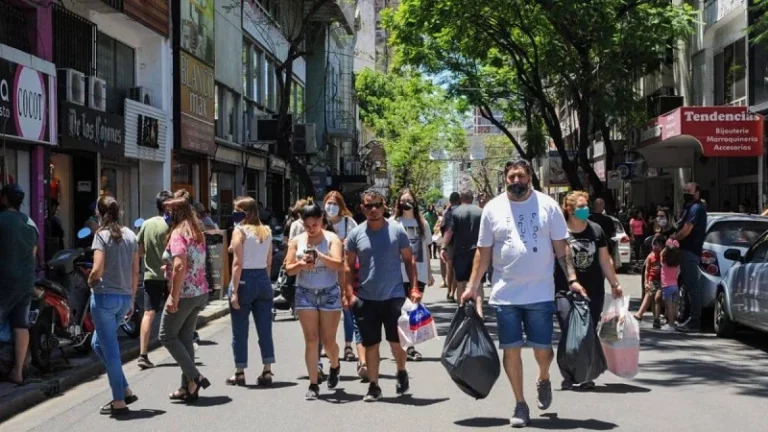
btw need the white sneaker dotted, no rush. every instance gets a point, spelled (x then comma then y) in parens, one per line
(667, 328)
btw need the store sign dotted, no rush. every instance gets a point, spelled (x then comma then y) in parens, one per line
(276, 164)
(722, 131)
(87, 129)
(25, 107)
(197, 33)
(197, 105)
(145, 131)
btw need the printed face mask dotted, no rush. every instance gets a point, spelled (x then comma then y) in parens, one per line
(332, 210)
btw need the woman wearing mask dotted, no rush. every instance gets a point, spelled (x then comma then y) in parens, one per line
(341, 218)
(664, 225)
(251, 289)
(185, 270)
(315, 257)
(113, 280)
(407, 214)
(591, 260)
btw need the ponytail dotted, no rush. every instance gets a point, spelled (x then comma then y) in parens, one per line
(109, 210)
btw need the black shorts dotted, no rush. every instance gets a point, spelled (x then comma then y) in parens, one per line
(155, 295)
(371, 315)
(17, 313)
(462, 264)
(407, 286)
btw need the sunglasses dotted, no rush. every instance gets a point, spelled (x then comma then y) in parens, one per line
(373, 206)
(521, 163)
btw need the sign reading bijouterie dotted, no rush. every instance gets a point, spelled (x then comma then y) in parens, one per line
(82, 128)
(25, 109)
(722, 131)
(197, 105)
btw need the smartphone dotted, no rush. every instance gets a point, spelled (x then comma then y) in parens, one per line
(310, 254)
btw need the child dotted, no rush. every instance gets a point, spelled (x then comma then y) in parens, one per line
(652, 279)
(670, 270)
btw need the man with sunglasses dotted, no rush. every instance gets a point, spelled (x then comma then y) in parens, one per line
(523, 230)
(381, 246)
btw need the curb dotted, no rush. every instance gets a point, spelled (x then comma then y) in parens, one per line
(56, 386)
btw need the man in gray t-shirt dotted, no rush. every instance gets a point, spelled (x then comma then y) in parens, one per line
(463, 234)
(380, 246)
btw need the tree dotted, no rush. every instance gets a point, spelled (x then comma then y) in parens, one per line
(486, 173)
(412, 117)
(758, 31)
(552, 54)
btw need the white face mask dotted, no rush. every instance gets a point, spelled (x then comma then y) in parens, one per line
(332, 210)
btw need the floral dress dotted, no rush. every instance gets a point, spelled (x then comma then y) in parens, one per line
(195, 283)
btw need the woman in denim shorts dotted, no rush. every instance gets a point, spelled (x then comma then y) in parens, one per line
(315, 257)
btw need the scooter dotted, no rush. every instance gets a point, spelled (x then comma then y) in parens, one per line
(60, 312)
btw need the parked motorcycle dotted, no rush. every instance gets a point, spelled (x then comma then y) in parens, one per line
(60, 313)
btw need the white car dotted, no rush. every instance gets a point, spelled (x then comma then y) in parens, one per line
(622, 253)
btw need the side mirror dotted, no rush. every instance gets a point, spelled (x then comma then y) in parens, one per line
(83, 233)
(733, 255)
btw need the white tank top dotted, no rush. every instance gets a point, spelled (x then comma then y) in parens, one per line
(254, 251)
(321, 276)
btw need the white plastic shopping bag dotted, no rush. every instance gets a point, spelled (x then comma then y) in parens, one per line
(619, 334)
(415, 325)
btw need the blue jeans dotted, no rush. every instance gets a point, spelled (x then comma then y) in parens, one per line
(535, 318)
(108, 311)
(689, 268)
(255, 298)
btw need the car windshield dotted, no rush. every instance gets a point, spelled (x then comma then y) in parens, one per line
(736, 233)
(619, 228)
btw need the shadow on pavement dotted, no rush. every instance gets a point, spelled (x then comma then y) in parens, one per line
(275, 385)
(339, 396)
(413, 401)
(165, 365)
(553, 422)
(208, 401)
(139, 414)
(618, 388)
(482, 422)
(207, 343)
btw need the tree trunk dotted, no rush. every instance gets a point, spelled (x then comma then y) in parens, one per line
(605, 131)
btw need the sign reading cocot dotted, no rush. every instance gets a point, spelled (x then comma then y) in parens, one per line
(24, 102)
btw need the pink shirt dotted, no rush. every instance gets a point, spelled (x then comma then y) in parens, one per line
(669, 275)
(637, 226)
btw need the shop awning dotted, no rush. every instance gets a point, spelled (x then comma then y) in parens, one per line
(675, 139)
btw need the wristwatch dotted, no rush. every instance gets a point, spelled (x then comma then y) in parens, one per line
(616, 285)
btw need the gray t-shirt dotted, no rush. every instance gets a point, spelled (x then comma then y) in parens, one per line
(379, 255)
(466, 227)
(118, 262)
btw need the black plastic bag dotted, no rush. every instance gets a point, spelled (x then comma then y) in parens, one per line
(579, 354)
(469, 354)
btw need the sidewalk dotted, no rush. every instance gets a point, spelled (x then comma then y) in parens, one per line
(15, 399)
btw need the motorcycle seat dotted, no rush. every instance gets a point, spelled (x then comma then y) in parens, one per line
(51, 285)
(64, 260)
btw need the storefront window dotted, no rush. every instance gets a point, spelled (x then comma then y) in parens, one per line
(9, 170)
(108, 184)
(222, 196)
(184, 176)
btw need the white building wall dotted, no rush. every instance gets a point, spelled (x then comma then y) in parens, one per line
(229, 45)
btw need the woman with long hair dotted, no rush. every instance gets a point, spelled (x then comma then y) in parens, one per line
(420, 235)
(185, 270)
(114, 280)
(341, 218)
(251, 289)
(443, 268)
(295, 224)
(315, 257)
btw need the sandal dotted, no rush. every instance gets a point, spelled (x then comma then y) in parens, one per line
(179, 394)
(638, 318)
(413, 355)
(265, 379)
(200, 382)
(238, 379)
(109, 409)
(349, 354)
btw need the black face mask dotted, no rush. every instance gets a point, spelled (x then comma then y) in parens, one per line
(517, 190)
(687, 198)
(406, 205)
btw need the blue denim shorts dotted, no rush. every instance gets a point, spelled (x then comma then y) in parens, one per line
(537, 319)
(671, 292)
(321, 299)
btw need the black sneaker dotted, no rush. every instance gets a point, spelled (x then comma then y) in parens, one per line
(657, 323)
(313, 392)
(144, 363)
(374, 393)
(402, 383)
(333, 378)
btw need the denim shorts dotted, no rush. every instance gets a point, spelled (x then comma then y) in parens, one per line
(322, 299)
(671, 292)
(537, 319)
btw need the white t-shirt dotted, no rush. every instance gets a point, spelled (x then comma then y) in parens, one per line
(521, 234)
(344, 226)
(419, 246)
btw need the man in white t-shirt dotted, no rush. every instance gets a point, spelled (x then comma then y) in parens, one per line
(523, 230)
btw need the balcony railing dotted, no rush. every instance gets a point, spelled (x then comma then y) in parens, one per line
(738, 102)
(13, 27)
(342, 123)
(73, 42)
(715, 10)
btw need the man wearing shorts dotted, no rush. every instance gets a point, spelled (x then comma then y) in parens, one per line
(445, 226)
(381, 246)
(523, 230)
(151, 247)
(18, 237)
(464, 232)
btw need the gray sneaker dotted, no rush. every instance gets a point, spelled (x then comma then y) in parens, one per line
(544, 394)
(522, 416)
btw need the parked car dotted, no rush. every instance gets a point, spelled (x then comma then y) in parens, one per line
(742, 294)
(623, 249)
(724, 231)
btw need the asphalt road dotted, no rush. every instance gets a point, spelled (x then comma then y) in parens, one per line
(686, 383)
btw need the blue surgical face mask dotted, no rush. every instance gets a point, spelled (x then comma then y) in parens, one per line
(238, 217)
(581, 213)
(167, 218)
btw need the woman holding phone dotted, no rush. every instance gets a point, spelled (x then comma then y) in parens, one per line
(315, 257)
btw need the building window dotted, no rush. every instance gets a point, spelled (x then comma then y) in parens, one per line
(730, 74)
(270, 100)
(115, 64)
(253, 71)
(225, 107)
(699, 73)
(758, 69)
(297, 101)
(73, 46)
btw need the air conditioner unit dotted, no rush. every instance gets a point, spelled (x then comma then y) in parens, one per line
(141, 94)
(266, 129)
(71, 85)
(96, 93)
(304, 139)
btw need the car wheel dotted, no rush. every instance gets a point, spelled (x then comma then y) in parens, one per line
(683, 307)
(724, 326)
